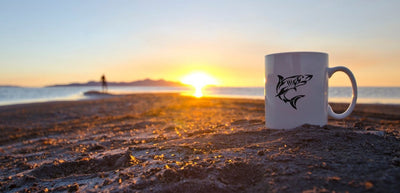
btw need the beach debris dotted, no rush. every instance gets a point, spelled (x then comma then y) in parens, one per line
(368, 185)
(107, 182)
(358, 125)
(159, 157)
(171, 128)
(84, 159)
(169, 175)
(49, 141)
(396, 161)
(73, 188)
(377, 133)
(240, 122)
(133, 160)
(96, 147)
(256, 121)
(316, 189)
(333, 178)
(143, 124)
(58, 161)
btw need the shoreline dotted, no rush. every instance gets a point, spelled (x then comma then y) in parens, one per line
(173, 143)
(367, 96)
(96, 97)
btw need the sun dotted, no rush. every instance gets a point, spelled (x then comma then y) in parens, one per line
(199, 80)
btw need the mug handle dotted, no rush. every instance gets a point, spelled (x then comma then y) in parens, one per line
(331, 71)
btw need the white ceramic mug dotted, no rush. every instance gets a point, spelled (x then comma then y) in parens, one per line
(296, 89)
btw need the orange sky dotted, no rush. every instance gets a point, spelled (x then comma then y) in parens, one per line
(57, 43)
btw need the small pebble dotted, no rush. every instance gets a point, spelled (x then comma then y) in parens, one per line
(396, 161)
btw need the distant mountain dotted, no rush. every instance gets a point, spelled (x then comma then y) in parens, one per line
(9, 86)
(145, 82)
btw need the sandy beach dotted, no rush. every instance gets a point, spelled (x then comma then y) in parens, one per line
(173, 143)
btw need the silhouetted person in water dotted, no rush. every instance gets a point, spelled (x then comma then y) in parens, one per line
(103, 83)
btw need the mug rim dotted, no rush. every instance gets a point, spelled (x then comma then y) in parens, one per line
(297, 52)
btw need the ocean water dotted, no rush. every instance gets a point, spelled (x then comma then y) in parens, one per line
(18, 95)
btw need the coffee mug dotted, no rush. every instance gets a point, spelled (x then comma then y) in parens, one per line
(296, 89)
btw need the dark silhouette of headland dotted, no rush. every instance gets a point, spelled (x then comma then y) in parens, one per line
(145, 82)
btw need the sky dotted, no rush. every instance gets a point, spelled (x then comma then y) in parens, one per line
(55, 42)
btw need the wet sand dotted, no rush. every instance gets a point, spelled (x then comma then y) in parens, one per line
(173, 143)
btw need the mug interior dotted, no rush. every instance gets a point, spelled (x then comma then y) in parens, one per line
(302, 52)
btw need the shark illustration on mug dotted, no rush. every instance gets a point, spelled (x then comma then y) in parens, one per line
(291, 83)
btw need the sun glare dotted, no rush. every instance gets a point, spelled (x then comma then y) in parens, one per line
(198, 80)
